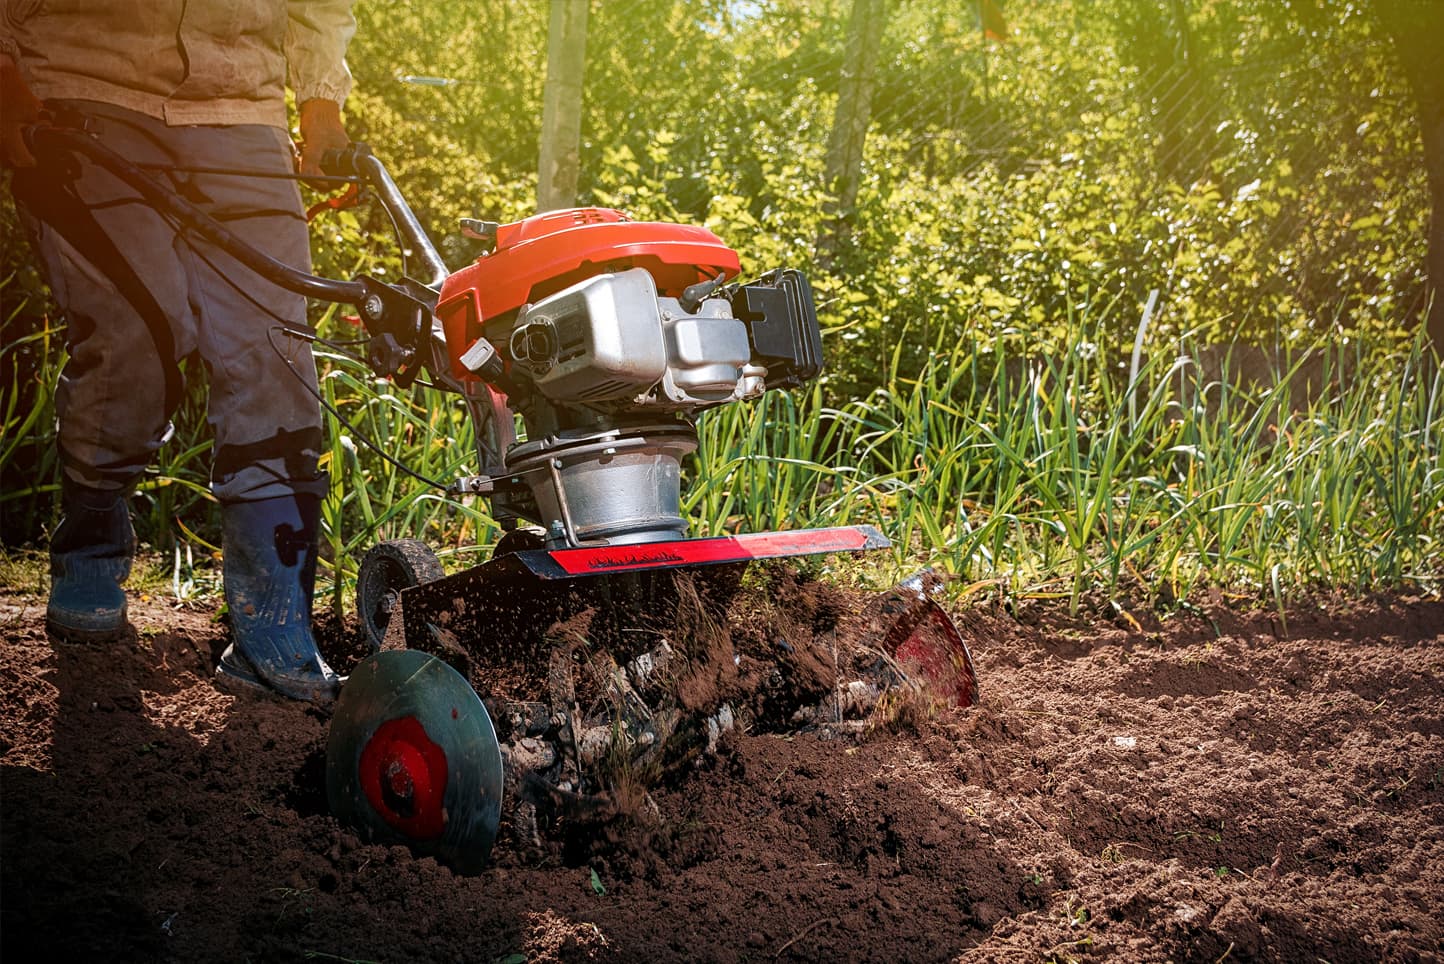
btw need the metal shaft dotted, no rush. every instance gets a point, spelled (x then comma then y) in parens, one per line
(375, 173)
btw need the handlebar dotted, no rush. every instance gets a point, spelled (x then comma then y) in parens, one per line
(356, 160)
(398, 316)
(45, 138)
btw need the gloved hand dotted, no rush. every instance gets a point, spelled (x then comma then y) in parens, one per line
(321, 131)
(18, 107)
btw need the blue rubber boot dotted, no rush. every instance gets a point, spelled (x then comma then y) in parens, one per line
(90, 556)
(269, 571)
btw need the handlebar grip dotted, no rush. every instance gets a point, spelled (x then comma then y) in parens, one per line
(332, 163)
(341, 162)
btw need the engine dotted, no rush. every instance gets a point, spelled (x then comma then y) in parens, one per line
(614, 343)
(606, 336)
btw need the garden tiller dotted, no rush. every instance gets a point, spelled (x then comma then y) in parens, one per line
(602, 338)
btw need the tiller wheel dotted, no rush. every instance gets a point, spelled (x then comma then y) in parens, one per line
(412, 759)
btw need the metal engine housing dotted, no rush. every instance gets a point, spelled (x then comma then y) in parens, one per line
(611, 342)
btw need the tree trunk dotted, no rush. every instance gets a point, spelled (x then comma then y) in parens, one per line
(1417, 27)
(560, 155)
(854, 100)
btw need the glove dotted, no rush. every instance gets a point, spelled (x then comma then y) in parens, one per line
(18, 108)
(321, 131)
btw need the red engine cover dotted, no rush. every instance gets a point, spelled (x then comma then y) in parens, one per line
(548, 252)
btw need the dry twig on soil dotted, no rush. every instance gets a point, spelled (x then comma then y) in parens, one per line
(803, 933)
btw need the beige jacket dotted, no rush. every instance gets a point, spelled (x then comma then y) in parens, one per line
(183, 61)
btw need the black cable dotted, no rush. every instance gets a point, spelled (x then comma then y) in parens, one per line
(309, 334)
(340, 345)
(400, 239)
(315, 393)
(164, 199)
(237, 172)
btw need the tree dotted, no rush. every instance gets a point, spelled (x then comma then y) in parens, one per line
(1174, 84)
(854, 102)
(1417, 28)
(559, 163)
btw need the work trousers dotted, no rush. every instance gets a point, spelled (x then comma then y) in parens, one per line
(137, 298)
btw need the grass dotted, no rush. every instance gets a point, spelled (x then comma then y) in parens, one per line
(371, 497)
(1058, 477)
(1076, 477)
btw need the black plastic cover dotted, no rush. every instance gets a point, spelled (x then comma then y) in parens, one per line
(781, 326)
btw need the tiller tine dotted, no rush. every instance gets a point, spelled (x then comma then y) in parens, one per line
(925, 644)
(413, 757)
(503, 602)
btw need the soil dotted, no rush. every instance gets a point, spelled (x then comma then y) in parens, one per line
(1204, 786)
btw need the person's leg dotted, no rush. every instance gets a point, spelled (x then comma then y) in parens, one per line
(263, 403)
(106, 257)
(266, 418)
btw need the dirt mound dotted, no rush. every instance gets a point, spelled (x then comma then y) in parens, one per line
(1207, 787)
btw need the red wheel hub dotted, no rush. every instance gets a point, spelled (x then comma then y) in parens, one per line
(412, 759)
(403, 774)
